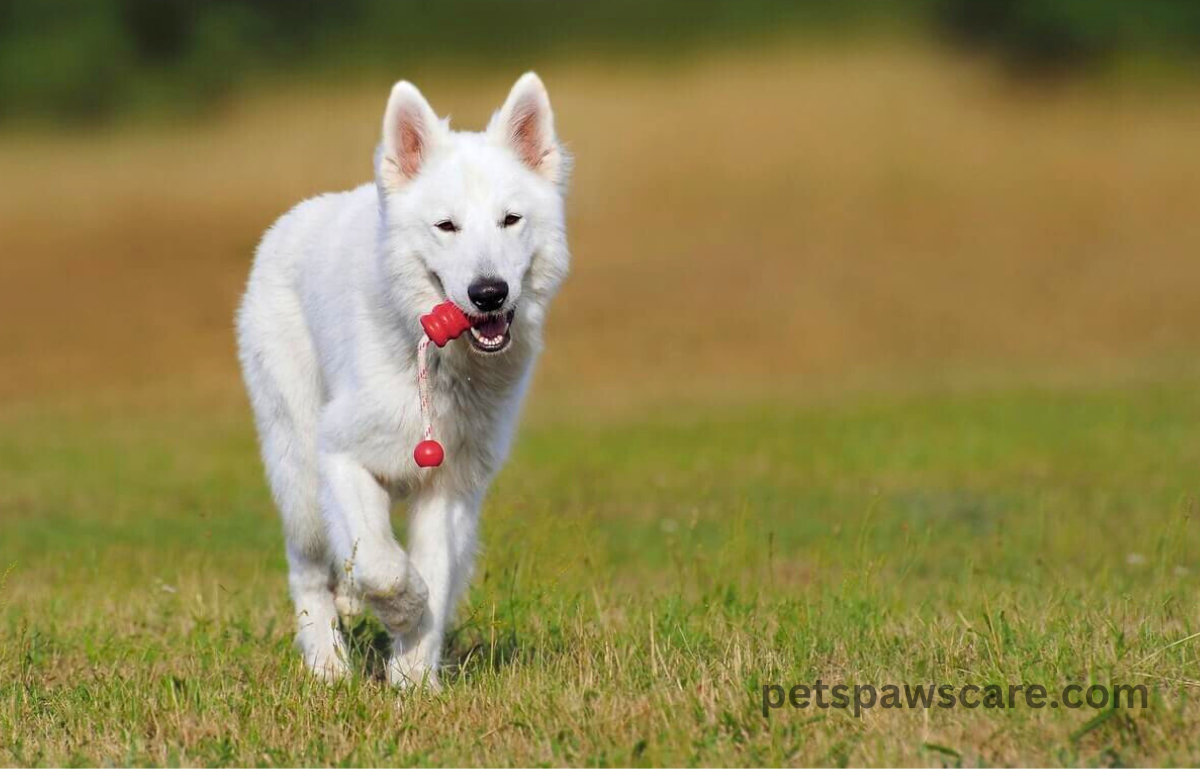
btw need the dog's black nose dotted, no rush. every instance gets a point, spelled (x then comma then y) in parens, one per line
(488, 294)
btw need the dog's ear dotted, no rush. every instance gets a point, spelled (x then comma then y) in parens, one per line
(525, 124)
(411, 131)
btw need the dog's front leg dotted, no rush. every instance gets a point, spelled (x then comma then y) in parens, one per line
(356, 509)
(442, 535)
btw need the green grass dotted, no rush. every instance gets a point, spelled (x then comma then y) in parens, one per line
(641, 581)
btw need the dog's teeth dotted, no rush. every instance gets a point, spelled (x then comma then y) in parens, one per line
(491, 342)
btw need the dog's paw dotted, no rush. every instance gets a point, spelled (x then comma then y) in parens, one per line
(325, 655)
(323, 648)
(400, 605)
(404, 672)
(328, 669)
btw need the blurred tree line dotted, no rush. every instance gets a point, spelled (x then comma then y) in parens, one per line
(89, 59)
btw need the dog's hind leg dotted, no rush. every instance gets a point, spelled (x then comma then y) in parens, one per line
(320, 641)
(279, 368)
(311, 576)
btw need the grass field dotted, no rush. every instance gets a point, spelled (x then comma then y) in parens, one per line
(921, 406)
(641, 581)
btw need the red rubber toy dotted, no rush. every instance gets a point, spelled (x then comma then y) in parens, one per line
(441, 324)
(429, 453)
(445, 322)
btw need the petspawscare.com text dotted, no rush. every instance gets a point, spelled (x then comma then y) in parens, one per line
(860, 697)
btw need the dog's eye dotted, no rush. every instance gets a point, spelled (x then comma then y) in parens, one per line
(447, 225)
(510, 220)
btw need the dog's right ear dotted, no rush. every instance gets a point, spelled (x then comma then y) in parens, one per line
(411, 132)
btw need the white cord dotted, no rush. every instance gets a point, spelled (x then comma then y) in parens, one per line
(423, 387)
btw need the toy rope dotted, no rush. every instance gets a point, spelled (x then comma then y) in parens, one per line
(423, 388)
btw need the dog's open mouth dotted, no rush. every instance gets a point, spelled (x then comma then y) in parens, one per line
(492, 333)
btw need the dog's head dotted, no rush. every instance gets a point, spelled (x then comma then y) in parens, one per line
(476, 218)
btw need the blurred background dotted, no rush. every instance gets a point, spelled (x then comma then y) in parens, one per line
(772, 200)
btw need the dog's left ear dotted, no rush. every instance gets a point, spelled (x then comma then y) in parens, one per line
(411, 132)
(525, 124)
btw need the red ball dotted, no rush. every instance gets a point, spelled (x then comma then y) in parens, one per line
(429, 454)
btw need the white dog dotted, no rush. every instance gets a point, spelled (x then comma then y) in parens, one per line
(328, 332)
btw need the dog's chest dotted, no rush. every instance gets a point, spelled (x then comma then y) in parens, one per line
(471, 415)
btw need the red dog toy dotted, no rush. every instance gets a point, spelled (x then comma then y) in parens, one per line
(441, 324)
(445, 322)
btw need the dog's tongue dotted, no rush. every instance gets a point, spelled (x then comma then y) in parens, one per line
(492, 326)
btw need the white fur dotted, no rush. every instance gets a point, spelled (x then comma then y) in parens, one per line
(328, 332)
